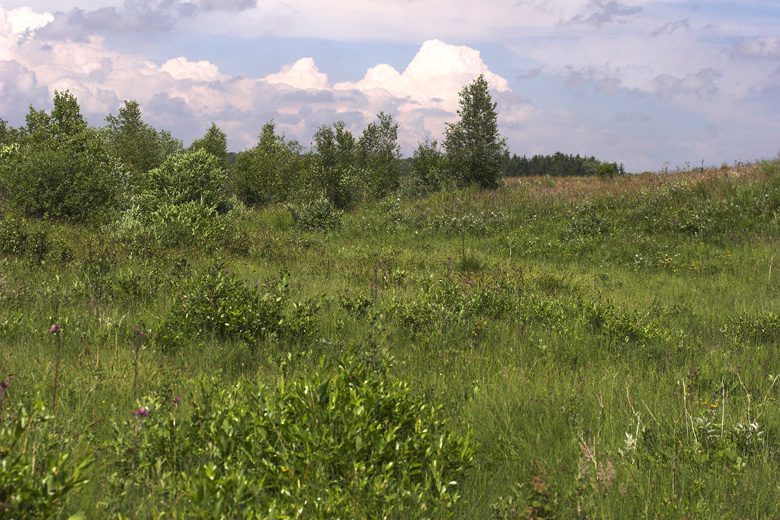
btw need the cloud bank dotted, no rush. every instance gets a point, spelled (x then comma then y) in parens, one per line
(186, 96)
(643, 83)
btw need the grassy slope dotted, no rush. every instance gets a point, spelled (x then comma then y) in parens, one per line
(606, 342)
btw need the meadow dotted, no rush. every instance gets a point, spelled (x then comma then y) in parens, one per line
(554, 348)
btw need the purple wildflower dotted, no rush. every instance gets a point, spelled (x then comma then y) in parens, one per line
(176, 400)
(54, 329)
(4, 385)
(142, 412)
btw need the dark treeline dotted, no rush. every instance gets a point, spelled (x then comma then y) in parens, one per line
(560, 165)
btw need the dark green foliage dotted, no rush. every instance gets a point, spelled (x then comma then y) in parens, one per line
(217, 303)
(335, 173)
(66, 119)
(8, 134)
(183, 202)
(74, 179)
(560, 165)
(476, 152)
(349, 445)
(269, 172)
(428, 170)
(60, 169)
(215, 143)
(609, 170)
(136, 144)
(317, 215)
(380, 155)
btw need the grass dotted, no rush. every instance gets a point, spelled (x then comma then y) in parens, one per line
(606, 345)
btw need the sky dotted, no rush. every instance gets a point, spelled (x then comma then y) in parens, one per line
(651, 84)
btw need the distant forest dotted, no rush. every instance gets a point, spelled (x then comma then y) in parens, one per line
(560, 165)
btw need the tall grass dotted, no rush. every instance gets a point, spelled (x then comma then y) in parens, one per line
(607, 345)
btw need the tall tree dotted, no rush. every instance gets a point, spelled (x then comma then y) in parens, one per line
(269, 172)
(214, 142)
(334, 169)
(380, 154)
(475, 150)
(139, 146)
(66, 118)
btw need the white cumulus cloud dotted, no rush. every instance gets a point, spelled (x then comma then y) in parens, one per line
(303, 74)
(182, 68)
(22, 19)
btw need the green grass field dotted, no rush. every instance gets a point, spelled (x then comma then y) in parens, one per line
(589, 348)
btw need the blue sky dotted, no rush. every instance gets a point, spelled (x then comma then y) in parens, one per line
(643, 83)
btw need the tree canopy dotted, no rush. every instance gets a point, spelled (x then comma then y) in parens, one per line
(475, 150)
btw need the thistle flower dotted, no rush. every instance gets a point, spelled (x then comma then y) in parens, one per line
(176, 400)
(142, 412)
(4, 385)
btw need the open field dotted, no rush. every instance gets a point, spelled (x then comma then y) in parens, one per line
(596, 348)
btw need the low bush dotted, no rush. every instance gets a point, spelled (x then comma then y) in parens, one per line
(318, 215)
(217, 302)
(351, 445)
(27, 491)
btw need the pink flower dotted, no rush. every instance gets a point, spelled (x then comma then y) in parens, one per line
(142, 412)
(4, 385)
(54, 329)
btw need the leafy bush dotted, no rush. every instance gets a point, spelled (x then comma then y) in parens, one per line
(187, 177)
(428, 170)
(317, 215)
(25, 493)
(217, 302)
(270, 171)
(352, 445)
(189, 224)
(607, 170)
(72, 178)
(762, 327)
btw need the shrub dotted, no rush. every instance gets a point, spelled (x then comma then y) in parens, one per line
(429, 169)
(186, 177)
(72, 178)
(39, 494)
(269, 172)
(352, 445)
(607, 170)
(317, 215)
(216, 302)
